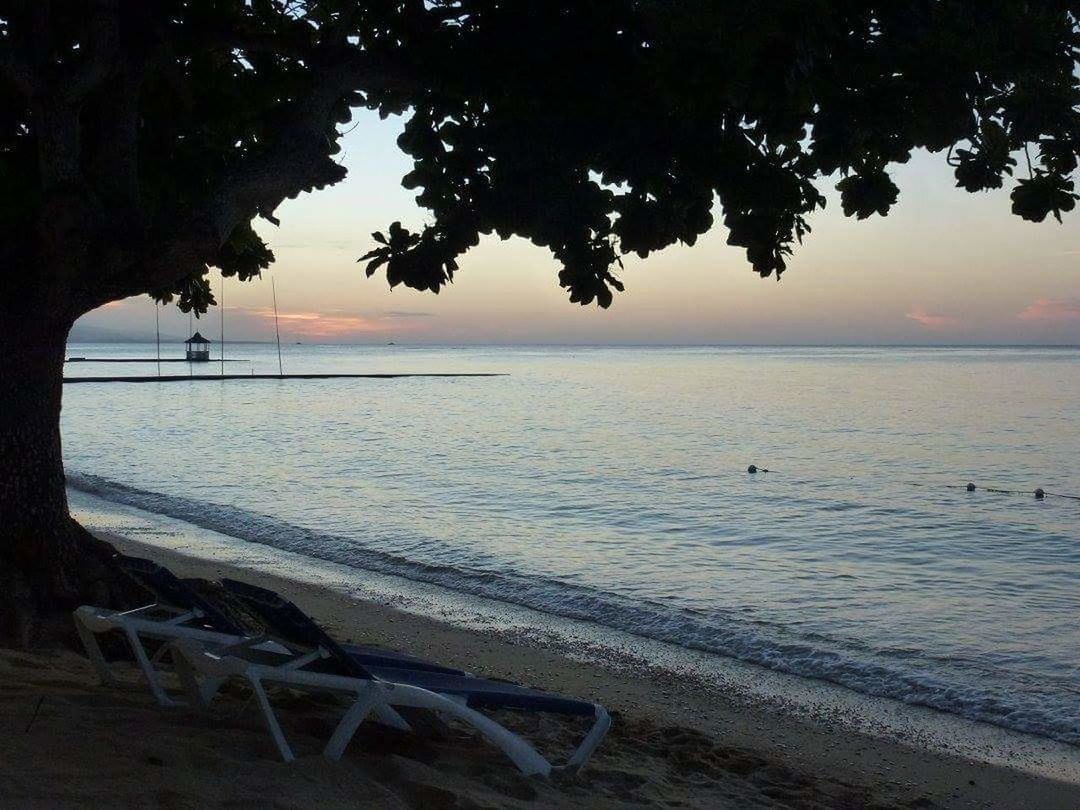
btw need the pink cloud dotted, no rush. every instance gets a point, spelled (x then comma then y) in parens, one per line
(929, 320)
(316, 324)
(1051, 309)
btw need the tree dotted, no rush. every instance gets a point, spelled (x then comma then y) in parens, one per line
(139, 140)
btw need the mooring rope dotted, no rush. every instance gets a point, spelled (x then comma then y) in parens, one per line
(1038, 492)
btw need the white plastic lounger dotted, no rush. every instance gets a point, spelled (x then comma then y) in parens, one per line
(197, 620)
(136, 625)
(373, 690)
(183, 612)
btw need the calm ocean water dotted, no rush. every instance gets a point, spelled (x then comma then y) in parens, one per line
(610, 484)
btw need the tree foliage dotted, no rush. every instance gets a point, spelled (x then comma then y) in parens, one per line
(139, 140)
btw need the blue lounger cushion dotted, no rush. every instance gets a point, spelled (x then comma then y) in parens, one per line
(484, 693)
(292, 625)
(369, 657)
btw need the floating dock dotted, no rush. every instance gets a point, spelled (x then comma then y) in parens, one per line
(195, 377)
(149, 361)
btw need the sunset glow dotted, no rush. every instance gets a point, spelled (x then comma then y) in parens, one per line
(944, 266)
(325, 325)
(931, 320)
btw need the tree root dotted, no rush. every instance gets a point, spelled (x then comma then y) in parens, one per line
(37, 598)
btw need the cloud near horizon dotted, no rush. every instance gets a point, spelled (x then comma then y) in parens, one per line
(1051, 309)
(930, 320)
(313, 324)
(330, 324)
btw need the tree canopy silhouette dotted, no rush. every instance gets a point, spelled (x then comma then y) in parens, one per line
(140, 140)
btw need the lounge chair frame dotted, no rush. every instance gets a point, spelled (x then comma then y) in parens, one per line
(205, 658)
(369, 696)
(135, 625)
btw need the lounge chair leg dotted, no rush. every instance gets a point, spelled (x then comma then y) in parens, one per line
(527, 759)
(271, 720)
(524, 756)
(210, 689)
(93, 651)
(366, 700)
(595, 736)
(188, 681)
(148, 670)
(198, 694)
(389, 717)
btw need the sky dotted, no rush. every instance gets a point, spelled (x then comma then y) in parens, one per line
(945, 267)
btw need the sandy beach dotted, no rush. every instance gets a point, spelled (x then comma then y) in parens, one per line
(70, 742)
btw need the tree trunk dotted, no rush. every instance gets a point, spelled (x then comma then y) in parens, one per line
(48, 563)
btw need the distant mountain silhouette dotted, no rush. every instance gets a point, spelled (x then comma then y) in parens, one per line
(81, 333)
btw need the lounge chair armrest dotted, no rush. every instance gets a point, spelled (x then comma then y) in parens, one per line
(95, 619)
(136, 612)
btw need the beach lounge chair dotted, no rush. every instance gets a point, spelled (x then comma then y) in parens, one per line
(178, 612)
(181, 611)
(320, 664)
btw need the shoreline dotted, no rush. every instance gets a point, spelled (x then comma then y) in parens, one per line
(826, 747)
(732, 654)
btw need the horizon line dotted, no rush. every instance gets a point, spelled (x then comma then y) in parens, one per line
(613, 345)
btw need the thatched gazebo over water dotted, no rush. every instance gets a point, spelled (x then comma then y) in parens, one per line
(198, 348)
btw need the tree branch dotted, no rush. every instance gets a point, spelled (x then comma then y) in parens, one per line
(18, 73)
(101, 43)
(297, 160)
(112, 160)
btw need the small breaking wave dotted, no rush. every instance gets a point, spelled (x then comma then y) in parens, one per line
(1035, 706)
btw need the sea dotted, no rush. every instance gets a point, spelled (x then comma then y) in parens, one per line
(610, 485)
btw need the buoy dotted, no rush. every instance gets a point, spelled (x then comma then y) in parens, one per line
(751, 469)
(1039, 494)
(970, 487)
